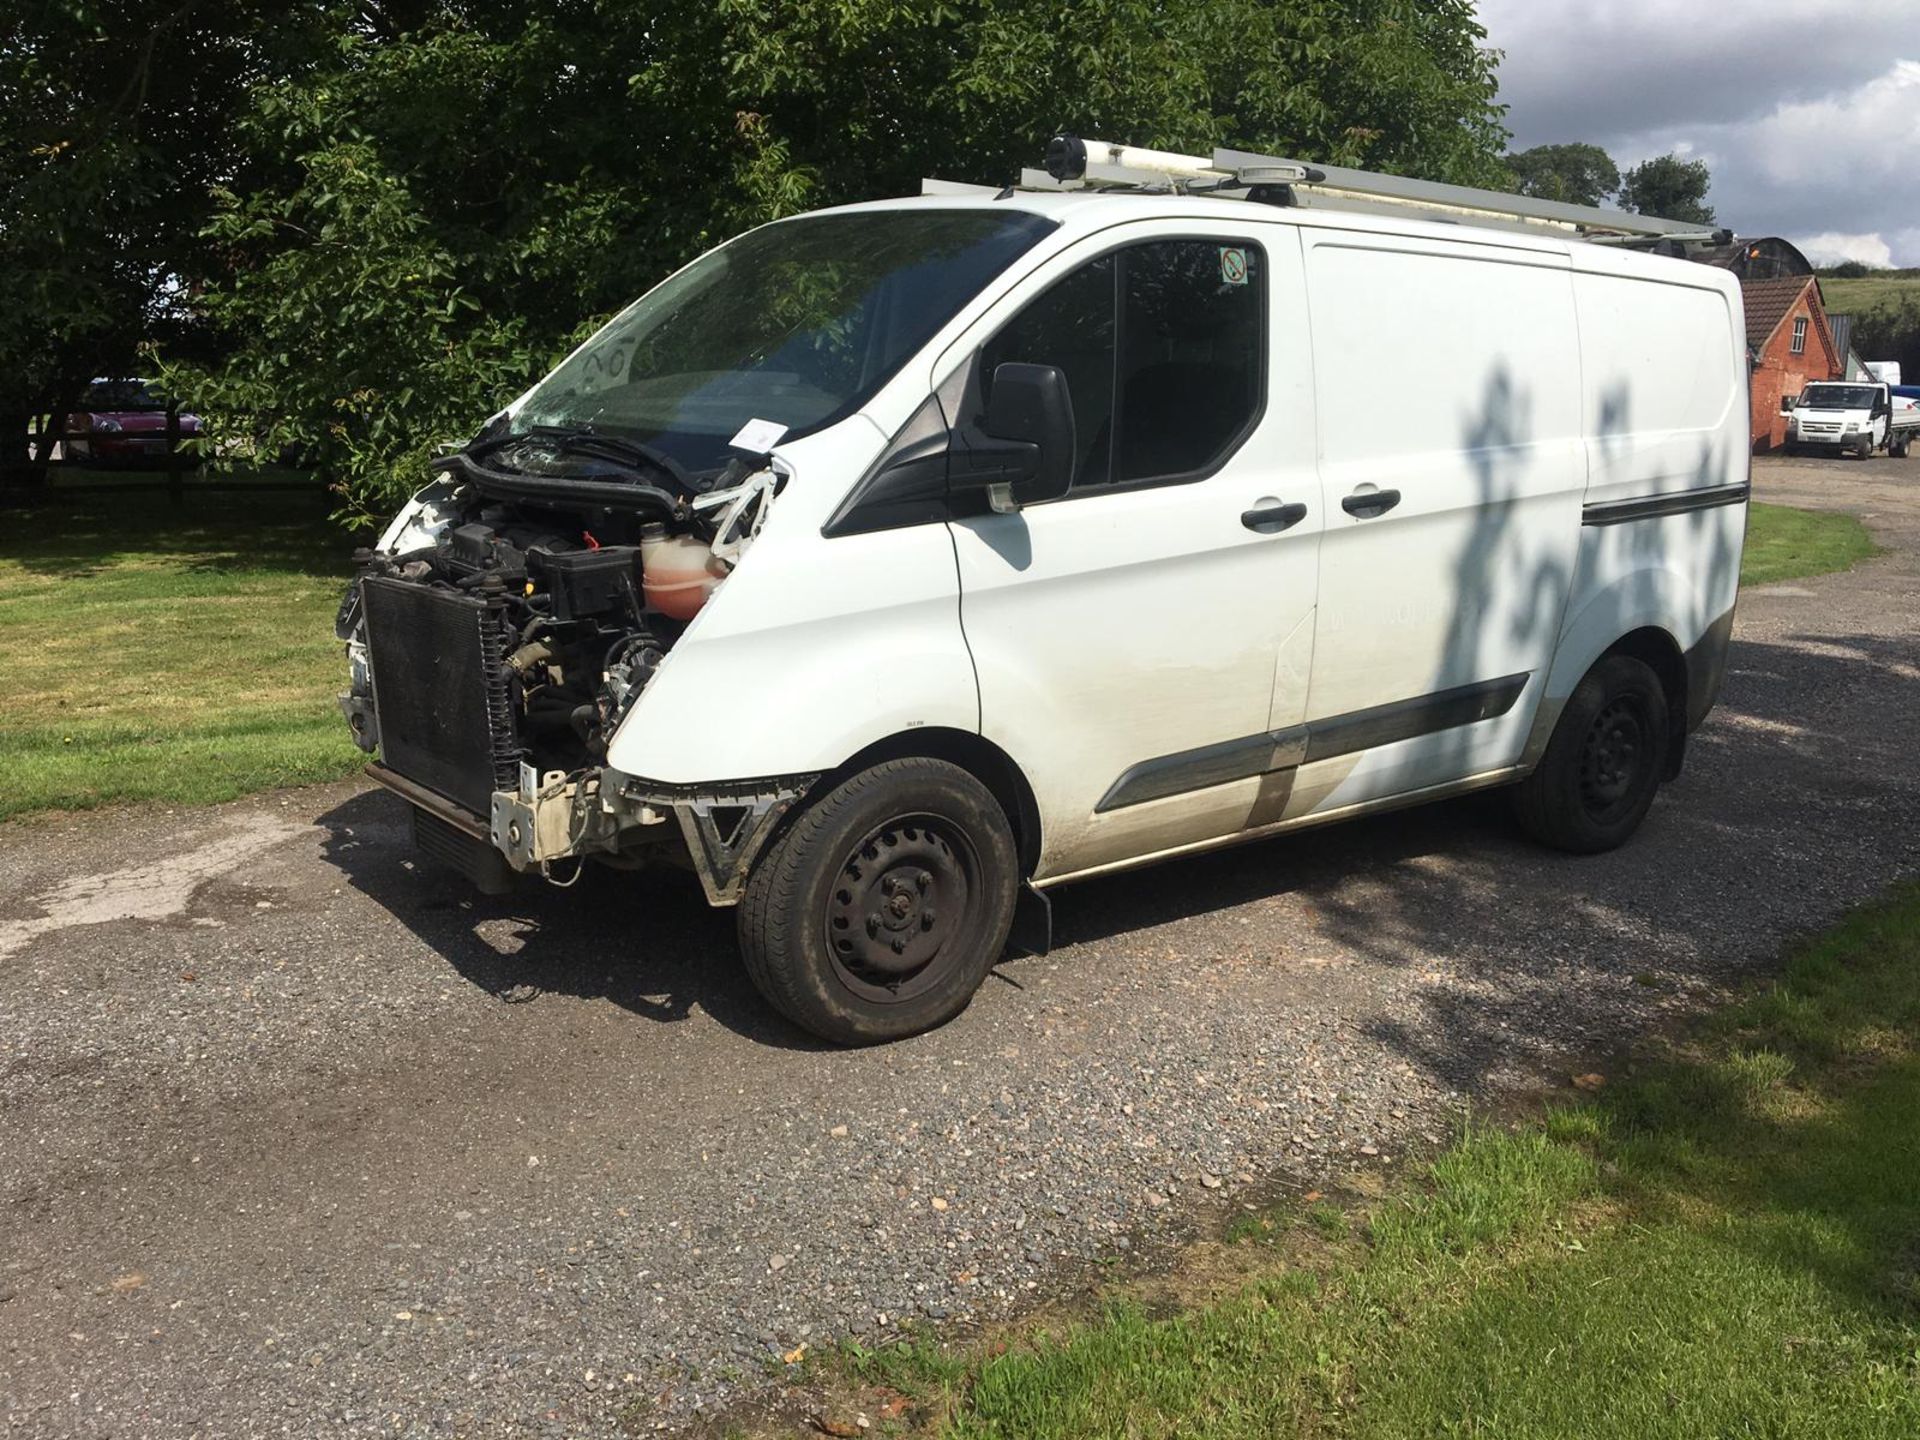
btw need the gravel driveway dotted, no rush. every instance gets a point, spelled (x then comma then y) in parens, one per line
(297, 1138)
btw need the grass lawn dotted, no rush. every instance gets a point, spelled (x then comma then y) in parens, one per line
(1851, 297)
(178, 655)
(187, 656)
(1726, 1242)
(1788, 544)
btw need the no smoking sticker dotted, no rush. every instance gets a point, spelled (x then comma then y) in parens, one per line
(1233, 265)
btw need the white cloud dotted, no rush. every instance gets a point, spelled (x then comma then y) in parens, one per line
(1810, 131)
(1861, 137)
(1832, 247)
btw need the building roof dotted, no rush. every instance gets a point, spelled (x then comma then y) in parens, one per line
(1767, 257)
(1841, 327)
(1768, 301)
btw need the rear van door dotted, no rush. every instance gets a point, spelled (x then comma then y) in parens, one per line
(1448, 400)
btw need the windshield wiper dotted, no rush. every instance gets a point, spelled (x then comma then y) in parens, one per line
(583, 440)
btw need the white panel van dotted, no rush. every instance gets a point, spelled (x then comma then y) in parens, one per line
(891, 565)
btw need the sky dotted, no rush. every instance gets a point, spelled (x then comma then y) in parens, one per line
(1808, 114)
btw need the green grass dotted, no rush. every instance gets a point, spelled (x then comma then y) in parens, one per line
(1726, 1243)
(185, 655)
(1852, 297)
(1788, 544)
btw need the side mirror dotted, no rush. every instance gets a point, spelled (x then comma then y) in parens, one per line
(1025, 442)
(1787, 402)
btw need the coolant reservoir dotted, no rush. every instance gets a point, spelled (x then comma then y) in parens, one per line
(677, 572)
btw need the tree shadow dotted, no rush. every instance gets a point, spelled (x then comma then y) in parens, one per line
(76, 534)
(645, 941)
(1722, 1133)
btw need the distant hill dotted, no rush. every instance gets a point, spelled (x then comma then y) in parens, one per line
(1850, 295)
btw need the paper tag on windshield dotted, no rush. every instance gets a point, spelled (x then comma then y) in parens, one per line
(758, 437)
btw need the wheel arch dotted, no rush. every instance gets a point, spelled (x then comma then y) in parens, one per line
(975, 754)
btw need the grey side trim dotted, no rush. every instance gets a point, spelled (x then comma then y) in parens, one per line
(1651, 507)
(1207, 766)
(1277, 750)
(1422, 715)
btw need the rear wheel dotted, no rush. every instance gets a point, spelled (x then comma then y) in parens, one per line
(1597, 780)
(881, 909)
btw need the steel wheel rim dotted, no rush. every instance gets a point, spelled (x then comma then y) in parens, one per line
(901, 904)
(1614, 757)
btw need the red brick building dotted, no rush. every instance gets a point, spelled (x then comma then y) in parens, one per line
(1788, 344)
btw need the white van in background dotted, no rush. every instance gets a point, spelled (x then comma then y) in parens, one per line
(893, 564)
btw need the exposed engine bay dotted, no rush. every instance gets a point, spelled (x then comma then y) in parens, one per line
(510, 627)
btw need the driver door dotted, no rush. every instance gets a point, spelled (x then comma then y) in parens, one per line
(1140, 641)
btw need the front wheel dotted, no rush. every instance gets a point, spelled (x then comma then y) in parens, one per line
(881, 909)
(1603, 764)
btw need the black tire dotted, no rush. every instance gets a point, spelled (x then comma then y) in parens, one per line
(879, 911)
(1603, 764)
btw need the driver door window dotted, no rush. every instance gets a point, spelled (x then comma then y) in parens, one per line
(1163, 346)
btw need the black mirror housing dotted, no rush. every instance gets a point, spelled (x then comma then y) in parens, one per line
(1026, 439)
(1031, 403)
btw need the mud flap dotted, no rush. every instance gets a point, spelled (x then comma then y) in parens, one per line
(1032, 931)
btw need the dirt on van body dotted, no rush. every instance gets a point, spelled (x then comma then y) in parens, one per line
(297, 1136)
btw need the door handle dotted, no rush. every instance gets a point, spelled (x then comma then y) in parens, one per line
(1365, 504)
(1272, 519)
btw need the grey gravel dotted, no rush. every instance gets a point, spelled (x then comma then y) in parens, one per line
(278, 1156)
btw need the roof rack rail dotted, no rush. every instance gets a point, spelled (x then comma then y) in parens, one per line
(1073, 163)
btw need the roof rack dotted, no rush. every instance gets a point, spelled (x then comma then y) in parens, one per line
(1101, 165)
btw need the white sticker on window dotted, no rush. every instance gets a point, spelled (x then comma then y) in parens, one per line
(758, 437)
(1233, 265)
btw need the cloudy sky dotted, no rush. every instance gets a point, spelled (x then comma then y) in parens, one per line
(1807, 113)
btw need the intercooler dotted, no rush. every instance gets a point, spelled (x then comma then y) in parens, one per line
(440, 689)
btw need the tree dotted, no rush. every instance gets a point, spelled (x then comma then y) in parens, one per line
(1670, 188)
(450, 204)
(1572, 174)
(1891, 331)
(113, 122)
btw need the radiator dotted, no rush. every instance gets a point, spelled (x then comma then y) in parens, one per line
(440, 688)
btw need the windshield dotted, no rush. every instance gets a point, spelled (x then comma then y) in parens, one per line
(122, 395)
(797, 323)
(1838, 397)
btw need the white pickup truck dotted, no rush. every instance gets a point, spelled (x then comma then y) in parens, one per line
(1855, 416)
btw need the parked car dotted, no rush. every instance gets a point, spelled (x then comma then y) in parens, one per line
(891, 565)
(1852, 417)
(124, 423)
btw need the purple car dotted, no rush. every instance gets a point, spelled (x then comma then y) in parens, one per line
(124, 422)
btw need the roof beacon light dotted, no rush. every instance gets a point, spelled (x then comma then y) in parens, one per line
(1277, 174)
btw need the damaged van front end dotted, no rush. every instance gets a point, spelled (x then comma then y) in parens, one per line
(503, 633)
